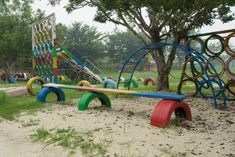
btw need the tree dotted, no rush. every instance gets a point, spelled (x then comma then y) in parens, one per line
(15, 33)
(158, 20)
(85, 42)
(120, 45)
(61, 30)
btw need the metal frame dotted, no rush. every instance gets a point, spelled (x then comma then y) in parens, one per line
(188, 52)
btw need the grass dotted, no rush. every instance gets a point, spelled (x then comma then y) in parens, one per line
(10, 107)
(72, 139)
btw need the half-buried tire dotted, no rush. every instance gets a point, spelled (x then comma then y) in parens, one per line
(84, 83)
(163, 110)
(47, 90)
(88, 97)
(150, 79)
(108, 83)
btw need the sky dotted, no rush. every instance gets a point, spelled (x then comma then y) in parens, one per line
(86, 14)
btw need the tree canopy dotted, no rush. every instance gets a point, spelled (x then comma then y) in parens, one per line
(15, 33)
(157, 18)
(85, 42)
(120, 45)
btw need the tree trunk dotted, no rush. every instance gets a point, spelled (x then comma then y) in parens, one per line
(8, 69)
(162, 69)
(164, 65)
(163, 76)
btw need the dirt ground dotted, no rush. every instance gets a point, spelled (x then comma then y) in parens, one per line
(126, 125)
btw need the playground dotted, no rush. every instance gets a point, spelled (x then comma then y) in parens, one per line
(173, 97)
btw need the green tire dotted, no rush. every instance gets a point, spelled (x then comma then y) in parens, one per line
(88, 97)
(131, 81)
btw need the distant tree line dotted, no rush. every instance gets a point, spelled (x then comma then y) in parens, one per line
(103, 49)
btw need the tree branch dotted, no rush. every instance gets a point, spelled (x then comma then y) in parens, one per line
(140, 26)
(130, 28)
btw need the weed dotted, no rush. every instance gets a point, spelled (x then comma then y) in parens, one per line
(40, 135)
(70, 138)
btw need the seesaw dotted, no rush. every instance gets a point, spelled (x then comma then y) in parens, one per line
(161, 113)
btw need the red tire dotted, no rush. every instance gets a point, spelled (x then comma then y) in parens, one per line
(163, 110)
(150, 79)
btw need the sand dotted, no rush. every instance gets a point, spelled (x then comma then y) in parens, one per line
(126, 125)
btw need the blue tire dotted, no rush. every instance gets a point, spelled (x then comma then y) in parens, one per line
(108, 83)
(45, 91)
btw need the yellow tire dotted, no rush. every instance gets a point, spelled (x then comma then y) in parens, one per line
(29, 84)
(61, 78)
(84, 83)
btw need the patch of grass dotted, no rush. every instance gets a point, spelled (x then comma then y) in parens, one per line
(11, 107)
(40, 135)
(2, 97)
(70, 138)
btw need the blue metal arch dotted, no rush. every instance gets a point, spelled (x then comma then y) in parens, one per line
(188, 52)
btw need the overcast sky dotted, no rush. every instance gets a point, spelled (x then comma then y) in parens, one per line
(86, 15)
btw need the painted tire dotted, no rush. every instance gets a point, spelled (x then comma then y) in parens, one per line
(61, 78)
(202, 85)
(195, 73)
(231, 74)
(88, 97)
(29, 84)
(227, 49)
(84, 83)
(230, 83)
(133, 82)
(150, 79)
(183, 82)
(209, 52)
(221, 61)
(163, 110)
(45, 91)
(200, 41)
(109, 83)
(10, 79)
